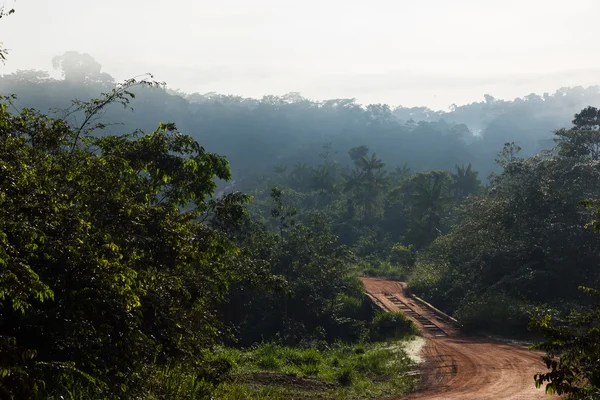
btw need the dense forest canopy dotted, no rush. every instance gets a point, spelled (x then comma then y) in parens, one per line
(257, 134)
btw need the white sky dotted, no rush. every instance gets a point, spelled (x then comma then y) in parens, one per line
(408, 52)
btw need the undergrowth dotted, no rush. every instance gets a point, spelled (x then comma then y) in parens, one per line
(381, 269)
(340, 371)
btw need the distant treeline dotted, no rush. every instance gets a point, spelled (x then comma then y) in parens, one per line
(257, 134)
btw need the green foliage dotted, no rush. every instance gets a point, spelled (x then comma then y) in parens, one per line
(572, 349)
(315, 300)
(120, 269)
(345, 376)
(373, 211)
(391, 325)
(381, 269)
(284, 213)
(429, 195)
(178, 383)
(365, 183)
(403, 255)
(341, 371)
(583, 140)
(522, 242)
(579, 143)
(508, 154)
(493, 312)
(465, 181)
(101, 271)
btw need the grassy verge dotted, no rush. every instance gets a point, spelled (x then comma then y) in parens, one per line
(339, 371)
(376, 368)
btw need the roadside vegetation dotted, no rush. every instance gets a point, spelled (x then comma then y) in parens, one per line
(340, 371)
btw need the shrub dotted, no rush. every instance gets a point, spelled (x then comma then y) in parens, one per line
(373, 363)
(345, 376)
(391, 325)
(383, 269)
(269, 356)
(403, 255)
(495, 312)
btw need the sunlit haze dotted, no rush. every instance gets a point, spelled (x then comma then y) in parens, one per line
(432, 53)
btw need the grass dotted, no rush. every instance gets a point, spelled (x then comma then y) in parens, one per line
(342, 371)
(271, 371)
(275, 372)
(381, 269)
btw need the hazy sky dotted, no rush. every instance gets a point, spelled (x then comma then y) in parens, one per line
(408, 52)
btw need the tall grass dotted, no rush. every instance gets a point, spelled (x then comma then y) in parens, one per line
(340, 371)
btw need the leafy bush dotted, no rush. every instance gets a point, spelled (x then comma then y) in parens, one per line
(373, 364)
(572, 347)
(345, 376)
(382, 269)
(403, 255)
(269, 356)
(101, 272)
(391, 325)
(493, 313)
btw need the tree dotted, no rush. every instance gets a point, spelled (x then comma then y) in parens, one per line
(520, 241)
(102, 273)
(403, 255)
(572, 344)
(301, 176)
(430, 191)
(81, 68)
(357, 153)
(366, 182)
(369, 164)
(31, 75)
(4, 13)
(465, 181)
(587, 119)
(572, 349)
(508, 154)
(429, 197)
(583, 139)
(400, 173)
(323, 179)
(283, 212)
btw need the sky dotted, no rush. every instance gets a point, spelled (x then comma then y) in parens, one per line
(402, 52)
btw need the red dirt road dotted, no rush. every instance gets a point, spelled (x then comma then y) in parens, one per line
(461, 367)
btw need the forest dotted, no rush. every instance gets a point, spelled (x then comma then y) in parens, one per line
(160, 244)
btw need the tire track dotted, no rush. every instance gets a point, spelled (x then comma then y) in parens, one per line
(460, 367)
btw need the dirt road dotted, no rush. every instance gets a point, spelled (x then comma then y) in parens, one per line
(461, 367)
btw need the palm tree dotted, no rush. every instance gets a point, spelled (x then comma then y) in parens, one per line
(400, 173)
(430, 192)
(323, 179)
(280, 169)
(365, 183)
(354, 182)
(357, 153)
(430, 197)
(465, 181)
(369, 164)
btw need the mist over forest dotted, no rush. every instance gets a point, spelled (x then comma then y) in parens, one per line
(257, 134)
